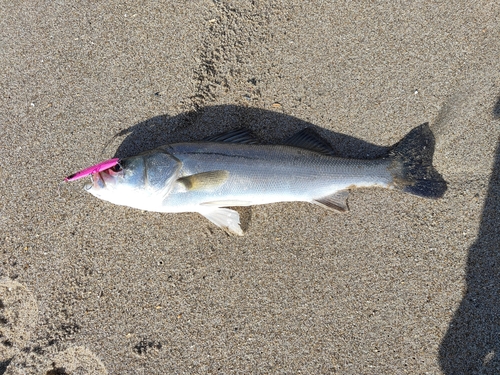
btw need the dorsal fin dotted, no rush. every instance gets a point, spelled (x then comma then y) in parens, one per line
(310, 140)
(234, 136)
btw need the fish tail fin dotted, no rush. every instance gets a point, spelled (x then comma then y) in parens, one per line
(412, 169)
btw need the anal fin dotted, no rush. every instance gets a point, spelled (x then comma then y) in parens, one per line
(335, 202)
(224, 218)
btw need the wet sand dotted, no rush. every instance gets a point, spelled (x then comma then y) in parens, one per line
(397, 285)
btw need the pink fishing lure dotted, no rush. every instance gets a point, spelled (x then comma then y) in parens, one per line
(93, 169)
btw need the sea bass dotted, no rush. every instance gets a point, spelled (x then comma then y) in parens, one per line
(234, 169)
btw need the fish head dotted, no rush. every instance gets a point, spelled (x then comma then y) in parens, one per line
(141, 181)
(124, 176)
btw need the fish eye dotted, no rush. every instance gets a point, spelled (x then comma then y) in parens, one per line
(116, 168)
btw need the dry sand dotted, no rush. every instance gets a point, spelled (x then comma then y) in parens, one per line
(398, 285)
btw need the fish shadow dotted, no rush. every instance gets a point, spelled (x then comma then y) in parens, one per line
(269, 126)
(471, 344)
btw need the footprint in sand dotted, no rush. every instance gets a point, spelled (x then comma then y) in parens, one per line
(76, 360)
(18, 316)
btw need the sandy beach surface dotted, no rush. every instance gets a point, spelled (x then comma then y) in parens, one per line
(398, 285)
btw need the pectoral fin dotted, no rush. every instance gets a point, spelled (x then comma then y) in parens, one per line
(227, 219)
(204, 180)
(336, 201)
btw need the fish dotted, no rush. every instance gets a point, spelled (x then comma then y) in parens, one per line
(236, 169)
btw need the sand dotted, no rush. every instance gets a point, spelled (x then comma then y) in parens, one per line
(398, 285)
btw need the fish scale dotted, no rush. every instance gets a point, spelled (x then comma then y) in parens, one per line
(287, 172)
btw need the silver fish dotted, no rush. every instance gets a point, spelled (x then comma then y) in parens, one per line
(233, 169)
